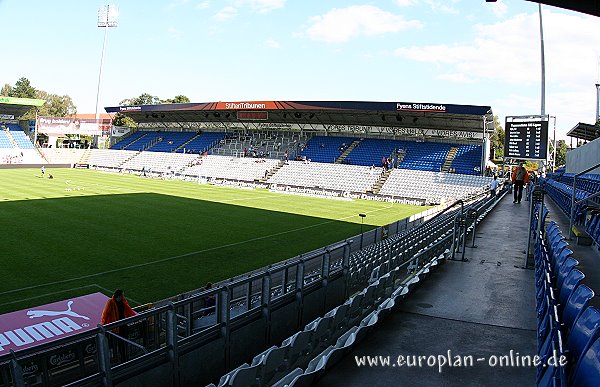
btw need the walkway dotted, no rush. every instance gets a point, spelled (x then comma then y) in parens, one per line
(483, 308)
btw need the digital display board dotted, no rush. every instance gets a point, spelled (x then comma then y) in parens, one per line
(253, 115)
(526, 140)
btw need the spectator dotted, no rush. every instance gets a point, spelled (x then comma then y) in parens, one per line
(209, 303)
(494, 187)
(520, 177)
(117, 308)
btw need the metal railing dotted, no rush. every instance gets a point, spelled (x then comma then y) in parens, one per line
(573, 201)
(218, 326)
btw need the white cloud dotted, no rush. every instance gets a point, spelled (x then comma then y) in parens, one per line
(272, 43)
(498, 8)
(203, 5)
(342, 24)
(226, 13)
(435, 5)
(442, 6)
(508, 52)
(258, 6)
(261, 6)
(405, 3)
(456, 77)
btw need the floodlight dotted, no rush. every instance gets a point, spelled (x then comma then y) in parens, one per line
(108, 16)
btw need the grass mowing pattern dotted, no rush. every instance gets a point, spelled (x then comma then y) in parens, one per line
(86, 231)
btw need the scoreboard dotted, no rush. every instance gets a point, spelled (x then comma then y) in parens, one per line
(526, 140)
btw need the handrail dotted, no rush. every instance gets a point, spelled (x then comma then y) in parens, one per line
(572, 215)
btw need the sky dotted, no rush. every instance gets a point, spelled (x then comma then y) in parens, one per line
(437, 51)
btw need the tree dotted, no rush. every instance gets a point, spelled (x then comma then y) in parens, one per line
(497, 139)
(561, 153)
(177, 99)
(143, 99)
(55, 106)
(6, 90)
(23, 89)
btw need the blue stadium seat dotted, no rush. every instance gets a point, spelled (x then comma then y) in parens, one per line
(564, 270)
(289, 378)
(585, 330)
(587, 372)
(325, 149)
(569, 285)
(202, 143)
(576, 304)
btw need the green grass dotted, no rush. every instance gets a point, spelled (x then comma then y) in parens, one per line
(87, 231)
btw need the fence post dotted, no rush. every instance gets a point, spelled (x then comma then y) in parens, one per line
(172, 350)
(103, 353)
(16, 372)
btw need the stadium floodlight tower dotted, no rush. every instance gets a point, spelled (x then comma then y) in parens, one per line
(108, 16)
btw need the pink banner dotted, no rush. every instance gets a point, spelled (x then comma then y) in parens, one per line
(30, 327)
(60, 126)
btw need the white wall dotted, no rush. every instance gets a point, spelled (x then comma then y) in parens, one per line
(584, 157)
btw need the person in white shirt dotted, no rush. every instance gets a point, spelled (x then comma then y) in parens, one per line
(494, 186)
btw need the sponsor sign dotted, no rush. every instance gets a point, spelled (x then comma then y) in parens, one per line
(251, 105)
(35, 326)
(328, 193)
(22, 101)
(7, 117)
(59, 126)
(119, 131)
(398, 131)
(420, 107)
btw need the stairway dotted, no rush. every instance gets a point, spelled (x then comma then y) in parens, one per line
(10, 137)
(381, 181)
(272, 171)
(345, 154)
(401, 154)
(85, 157)
(449, 159)
(124, 147)
(134, 155)
(182, 146)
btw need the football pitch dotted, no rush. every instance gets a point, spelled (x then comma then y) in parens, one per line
(86, 231)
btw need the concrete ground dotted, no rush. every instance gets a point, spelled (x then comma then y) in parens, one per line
(478, 310)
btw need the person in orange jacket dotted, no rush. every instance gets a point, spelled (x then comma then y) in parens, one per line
(118, 308)
(520, 177)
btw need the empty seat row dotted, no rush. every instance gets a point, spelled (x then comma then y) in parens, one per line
(304, 356)
(567, 326)
(592, 226)
(433, 187)
(231, 168)
(353, 178)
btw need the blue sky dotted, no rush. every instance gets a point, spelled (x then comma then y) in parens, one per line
(453, 51)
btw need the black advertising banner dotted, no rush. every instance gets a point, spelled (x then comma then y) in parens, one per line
(526, 140)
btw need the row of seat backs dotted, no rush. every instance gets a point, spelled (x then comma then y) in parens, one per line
(568, 316)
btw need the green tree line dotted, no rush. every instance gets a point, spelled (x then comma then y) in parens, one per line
(55, 106)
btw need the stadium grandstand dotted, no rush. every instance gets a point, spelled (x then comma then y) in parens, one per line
(16, 140)
(474, 290)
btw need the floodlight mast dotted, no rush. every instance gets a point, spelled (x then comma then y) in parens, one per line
(107, 17)
(543, 107)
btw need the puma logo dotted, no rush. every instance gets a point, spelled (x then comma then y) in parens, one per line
(43, 313)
